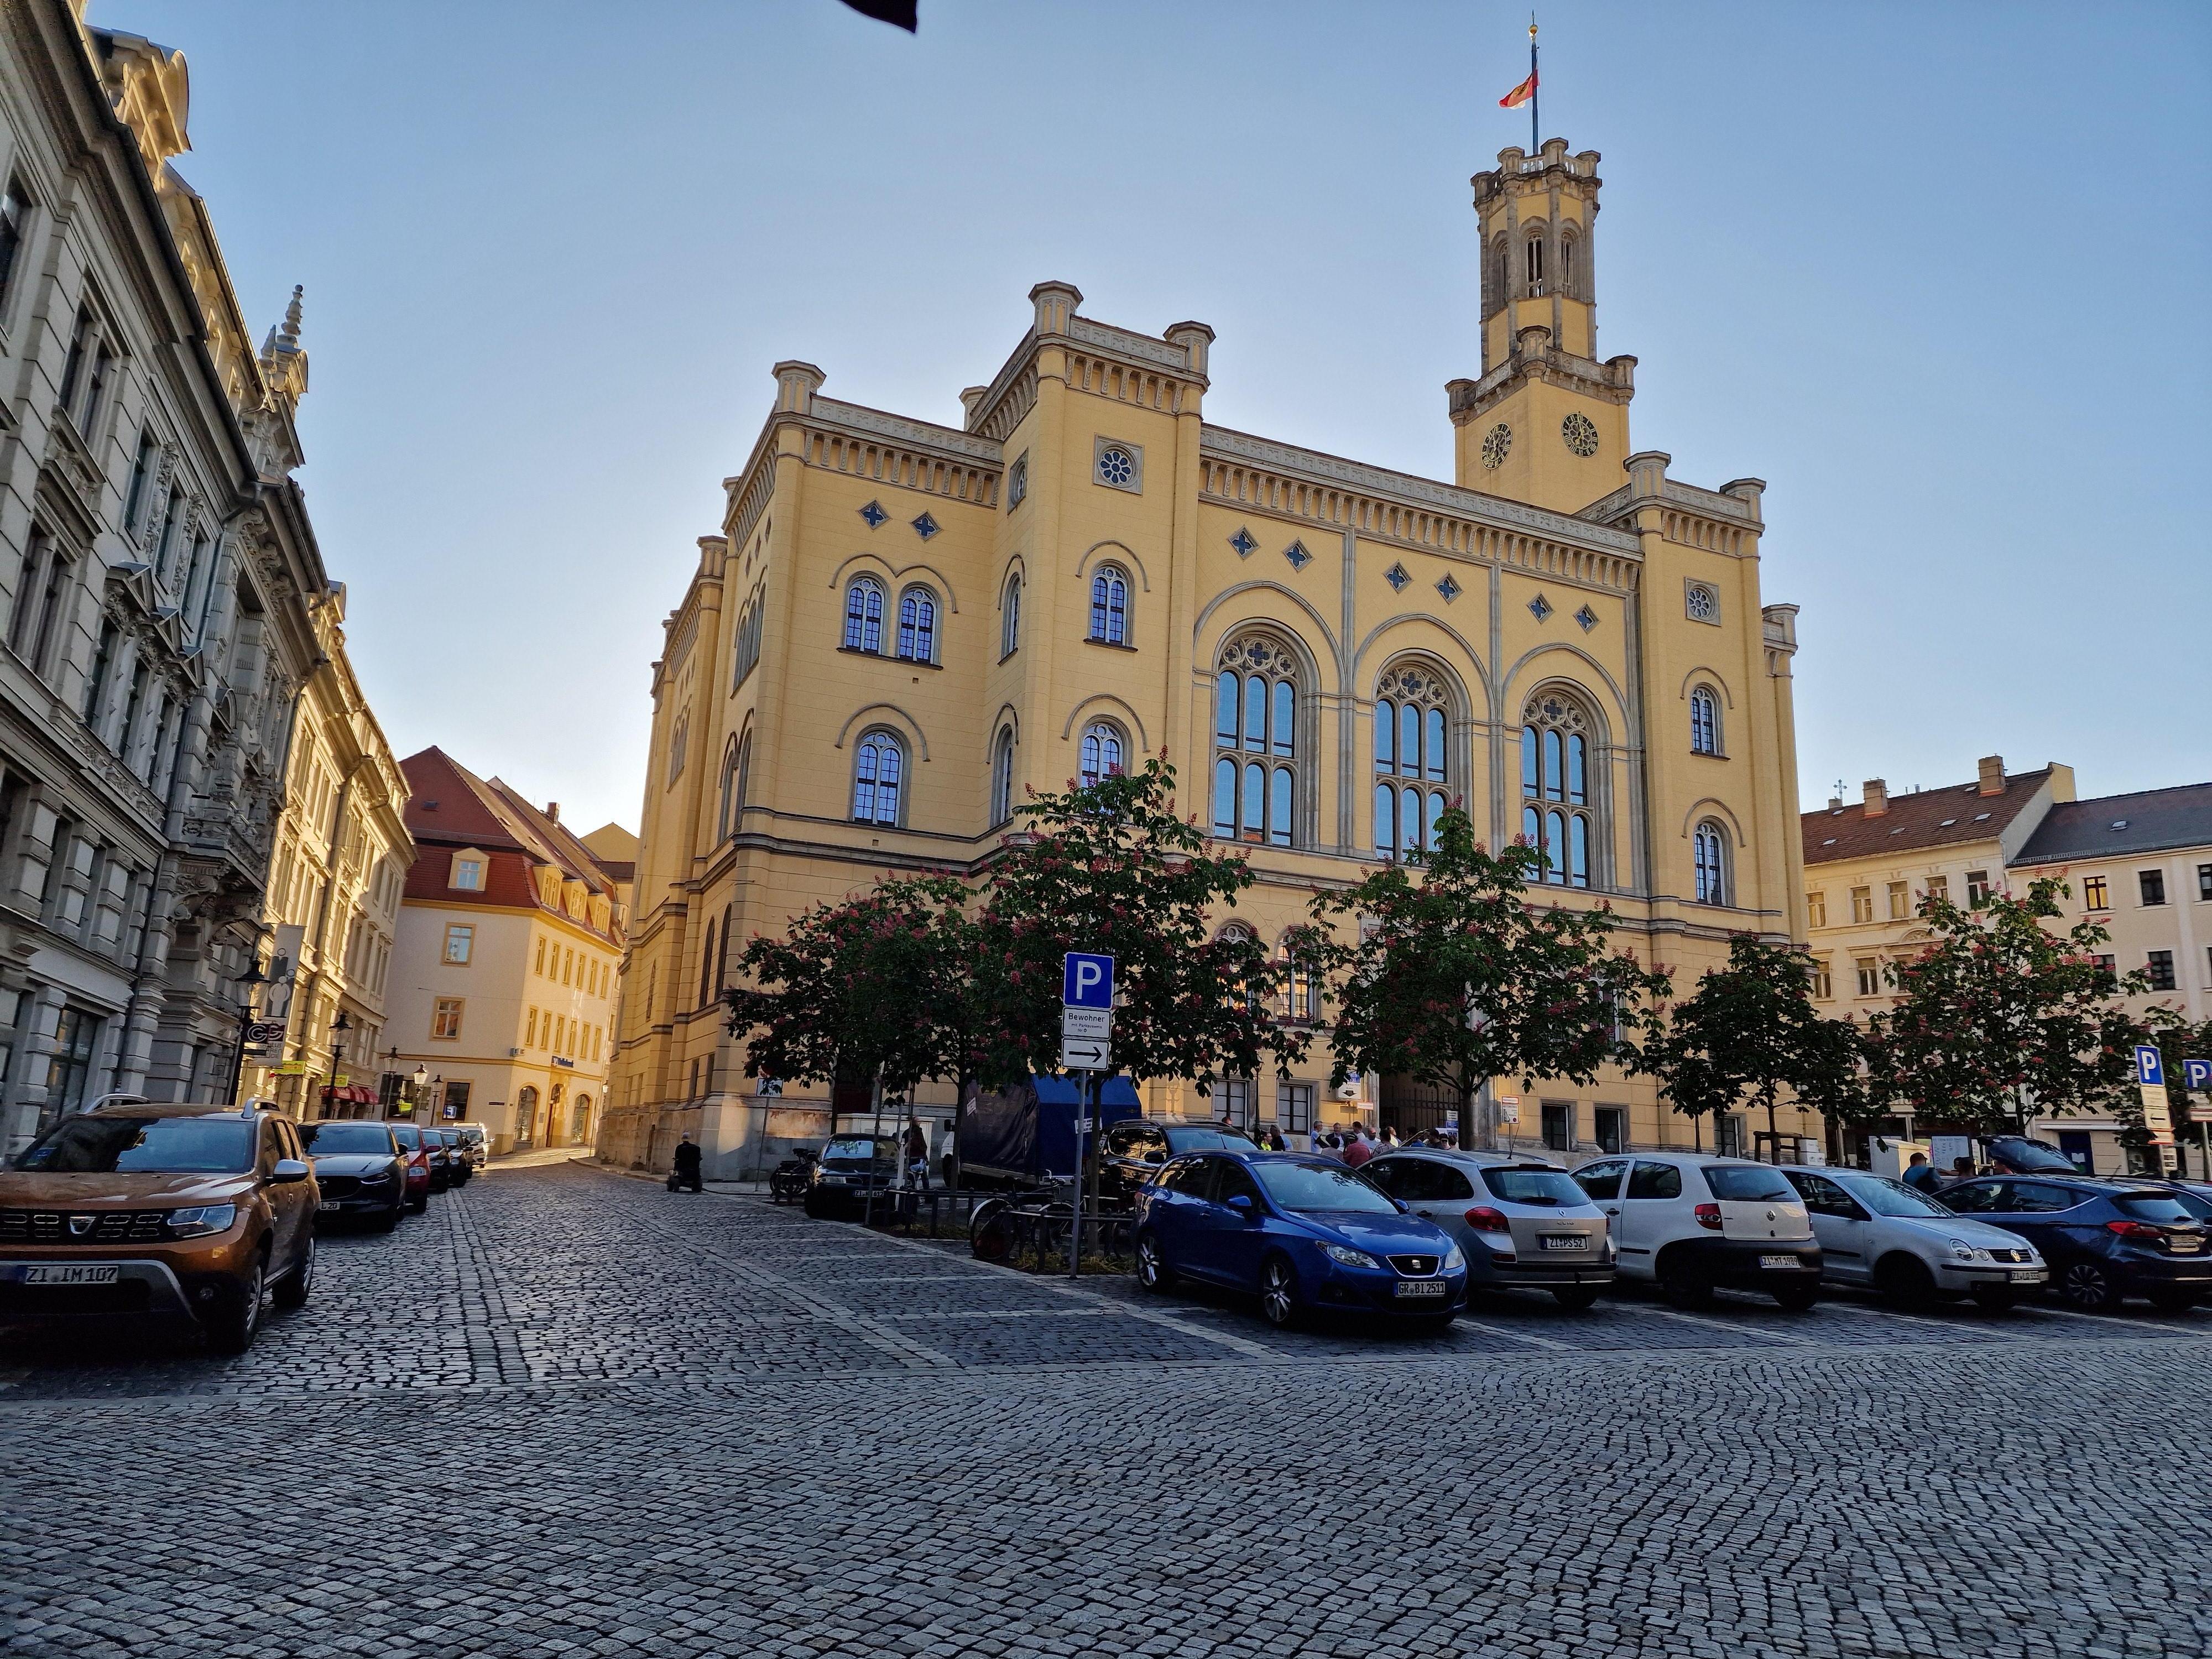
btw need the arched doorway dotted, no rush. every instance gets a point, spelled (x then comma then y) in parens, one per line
(526, 1117)
(553, 1116)
(580, 1130)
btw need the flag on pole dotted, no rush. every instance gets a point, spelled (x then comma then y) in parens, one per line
(1520, 95)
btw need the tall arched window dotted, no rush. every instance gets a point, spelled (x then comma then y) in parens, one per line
(877, 773)
(525, 1116)
(1534, 264)
(1412, 753)
(1258, 742)
(1104, 751)
(1009, 618)
(1709, 853)
(1002, 777)
(1301, 989)
(1704, 722)
(736, 758)
(917, 635)
(706, 968)
(864, 616)
(1567, 251)
(1109, 605)
(1558, 788)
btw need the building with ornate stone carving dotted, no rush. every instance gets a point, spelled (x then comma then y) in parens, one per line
(901, 626)
(160, 585)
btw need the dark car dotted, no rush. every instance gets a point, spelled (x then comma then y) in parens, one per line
(440, 1160)
(129, 1212)
(1131, 1153)
(2105, 1239)
(1301, 1233)
(418, 1154)
(360, 1169)
(850, 1167)
(2018, 1155)
(458, 1168)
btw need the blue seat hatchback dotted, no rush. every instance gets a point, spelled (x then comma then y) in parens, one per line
(1302, 1234)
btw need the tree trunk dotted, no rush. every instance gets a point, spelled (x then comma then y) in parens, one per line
(1774, 1131)
(1466, 1142)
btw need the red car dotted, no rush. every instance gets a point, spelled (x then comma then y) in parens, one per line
(418, 1166)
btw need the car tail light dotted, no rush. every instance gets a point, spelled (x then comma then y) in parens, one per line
(1484, 1219)
(1709, 1215)
(2134, 1229)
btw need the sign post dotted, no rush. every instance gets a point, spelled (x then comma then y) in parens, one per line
(1086, 1032)
(2157, 1115)
(2197, 1077)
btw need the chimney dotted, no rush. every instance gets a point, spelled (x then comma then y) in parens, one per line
(1877, 798)
(1992, 775)
(553, 811)
(1835, 803)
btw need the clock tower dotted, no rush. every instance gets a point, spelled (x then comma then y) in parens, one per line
(1547, 423)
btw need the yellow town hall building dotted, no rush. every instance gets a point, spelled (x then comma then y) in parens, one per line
(903, 626)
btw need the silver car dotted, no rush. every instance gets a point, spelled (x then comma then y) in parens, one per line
(1881, 1233)
(1522, 1224)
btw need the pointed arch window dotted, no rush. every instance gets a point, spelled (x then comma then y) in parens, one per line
(917, 632)
(1708, 856)
(1533, 265)
(1010, 618)
(864, 616)
(1301, 986)
(737, 761)
(1260, 742)
(878, 774)
(1559, 804)
(1704, 722)
(1412, 758)
(1104, 751)
(1109, 605)
(1002, 777)
(706, 968)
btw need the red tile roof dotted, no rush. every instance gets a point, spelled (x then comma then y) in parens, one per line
(1954, 814)
(450, 807)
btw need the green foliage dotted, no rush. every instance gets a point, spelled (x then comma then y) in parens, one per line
(1113, 869)
(1750, 1029)
(2004, 1018)
(1463, 970)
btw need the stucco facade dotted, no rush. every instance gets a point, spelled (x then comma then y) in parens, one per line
(901, 627)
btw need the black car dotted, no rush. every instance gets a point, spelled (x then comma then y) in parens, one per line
(2018, 1155)
(440, 1158)
(1130, 1151)
(459, 1169)
(359, 1169)
(2105, 1239)
(850, 1167)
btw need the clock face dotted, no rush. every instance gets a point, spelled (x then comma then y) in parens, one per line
(1581, 433)
(1705, 604)
(1496, 443)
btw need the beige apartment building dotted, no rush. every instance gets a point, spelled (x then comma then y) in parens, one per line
(342, 857)
(506, 965)
(2141, 865)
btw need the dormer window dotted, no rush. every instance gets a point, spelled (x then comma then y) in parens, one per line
(467, 875)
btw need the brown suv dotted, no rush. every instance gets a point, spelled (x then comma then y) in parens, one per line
(135, 1211)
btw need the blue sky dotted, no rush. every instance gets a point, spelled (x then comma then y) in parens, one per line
(1938, 274)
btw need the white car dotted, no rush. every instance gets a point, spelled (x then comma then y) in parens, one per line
(1688, 1222)
(1880, 1232)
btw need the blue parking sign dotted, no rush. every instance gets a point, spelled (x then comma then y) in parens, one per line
(2197, 1074)
(2150, 1070)
(1086, 981)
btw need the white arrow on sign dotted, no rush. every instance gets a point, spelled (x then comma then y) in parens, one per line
(1086, 1022)
(1083, 1054)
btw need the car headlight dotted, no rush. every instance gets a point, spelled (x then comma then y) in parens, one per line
(1347, 1256)
(1453, 1260)
(207, 1218)
(1967, 1252)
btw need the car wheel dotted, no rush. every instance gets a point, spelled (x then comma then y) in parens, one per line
(813, 1206)
(1682, 1284)
(1796, 1299)
(1904, 1280)
(294, 1290)
(1994, 1298)
(1576, 1298)
(2088, 1287)
(233, 1330)
(1279, 1293)
(1152, 1270)
(420, 1206)
(2174, 1302)
(1436, 1324)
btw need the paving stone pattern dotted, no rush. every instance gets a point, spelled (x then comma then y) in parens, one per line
(569, 1414)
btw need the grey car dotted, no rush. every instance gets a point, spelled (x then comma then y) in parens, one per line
(1881, 1234)
(1522, 1224)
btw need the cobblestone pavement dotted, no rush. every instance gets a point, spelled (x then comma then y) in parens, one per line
(570, 1414)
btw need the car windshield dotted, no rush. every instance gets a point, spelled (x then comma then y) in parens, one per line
(2031, 1157)
(2152, 1207)
(1534, 1187)
(2195, 1203)
(470, 1137)
(1887, 1197)
(861, 1149)
(123, 1146)
(329, 1139)
(1747, 1184)
(1210, 1140)
(1321, 1186)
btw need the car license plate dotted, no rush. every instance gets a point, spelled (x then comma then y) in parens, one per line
(330, 1204)
(2030, 1276)
(2187, 1246)
(1420, 1287)
(1777, 1262)
(1561, 1241)
(89, 1274)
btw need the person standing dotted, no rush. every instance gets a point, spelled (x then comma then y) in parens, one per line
(1920, 1174)
(685, 1172)
(1358, 1149)
(917, 1154)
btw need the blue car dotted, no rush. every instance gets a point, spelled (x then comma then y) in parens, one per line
(1301, 1233)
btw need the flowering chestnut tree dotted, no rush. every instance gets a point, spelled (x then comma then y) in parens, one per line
(1109, 866)
(1464, 969)
(2004, 1019)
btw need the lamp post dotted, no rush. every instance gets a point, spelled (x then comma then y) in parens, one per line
(339, 1027)
(250, 978)
(421, 1082)
(437, 1093)
(391, 1064)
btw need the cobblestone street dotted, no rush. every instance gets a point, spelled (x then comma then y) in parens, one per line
(570, 1413)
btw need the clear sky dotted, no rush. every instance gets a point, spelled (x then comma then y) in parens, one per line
(1938, 273)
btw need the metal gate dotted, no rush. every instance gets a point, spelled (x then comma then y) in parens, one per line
(1413, 1108)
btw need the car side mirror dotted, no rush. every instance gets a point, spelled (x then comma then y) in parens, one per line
(288, 1168)
(1243, 1205)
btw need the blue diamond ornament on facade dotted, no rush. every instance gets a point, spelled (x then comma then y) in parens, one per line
(1587, 617)
(1296, 554)
(1448, 587)
(1244, 541)
(874, 513)
(925, 526)
(1396, 576)
(1540, 608)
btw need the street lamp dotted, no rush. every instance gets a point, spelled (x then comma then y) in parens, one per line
(250, 978)
(391, 1064)
(339, 1027)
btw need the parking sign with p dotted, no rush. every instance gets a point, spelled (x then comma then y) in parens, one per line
(1086, 981)
(2150, 1069)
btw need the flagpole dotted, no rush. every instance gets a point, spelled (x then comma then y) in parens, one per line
(1535, 142)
